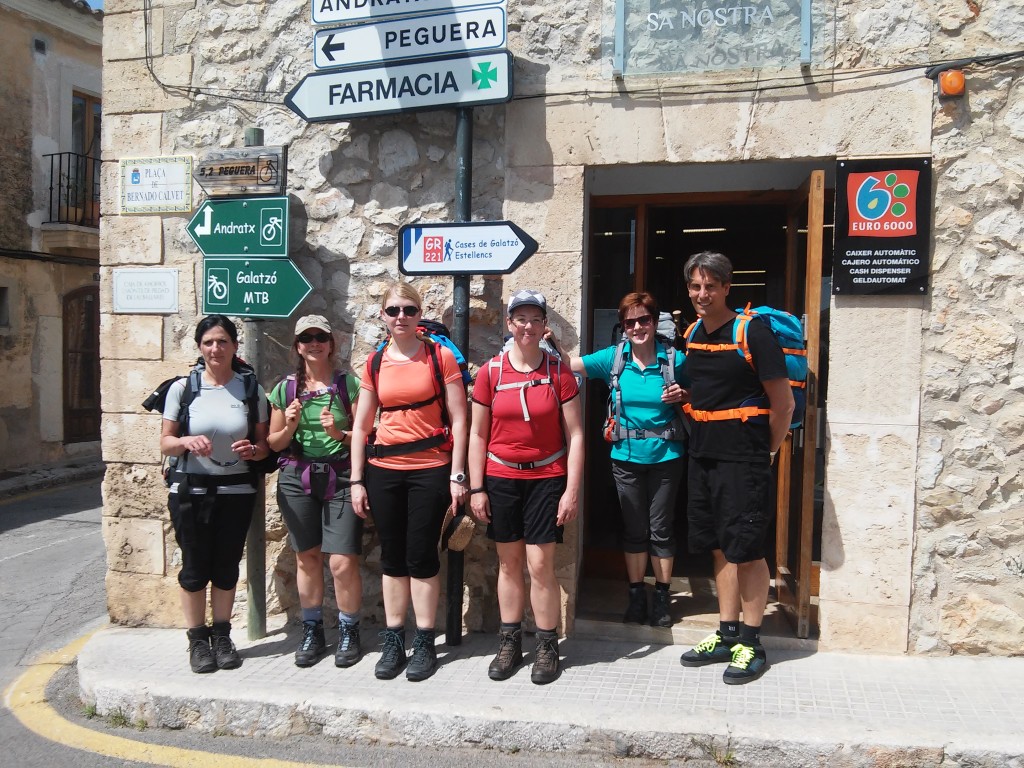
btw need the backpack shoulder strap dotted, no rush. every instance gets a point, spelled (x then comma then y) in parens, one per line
(375, 361)
(252, 401)
(668, 368)
(340, 386)
(739, 336)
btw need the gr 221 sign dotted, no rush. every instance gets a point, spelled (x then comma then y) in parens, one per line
(465, 248)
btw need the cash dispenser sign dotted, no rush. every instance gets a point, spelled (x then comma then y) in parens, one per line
(479, 29)
(460, 80)
(256, 226)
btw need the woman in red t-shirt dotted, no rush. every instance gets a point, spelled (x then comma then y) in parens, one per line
(408, 474)
(526, 466)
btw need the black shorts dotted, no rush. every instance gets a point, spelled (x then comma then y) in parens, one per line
(525, 509)
(729, 508)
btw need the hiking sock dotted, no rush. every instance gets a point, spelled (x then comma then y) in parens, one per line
(507, 626)
(348, 618)
(312, 614)
(750, 635)
(730, 629)
(636, 584)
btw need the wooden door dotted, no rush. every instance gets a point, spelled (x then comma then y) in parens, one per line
(797, 458)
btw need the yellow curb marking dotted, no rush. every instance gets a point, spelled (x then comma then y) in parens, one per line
(26, 698)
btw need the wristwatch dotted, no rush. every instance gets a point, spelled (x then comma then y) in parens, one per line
(458, 477)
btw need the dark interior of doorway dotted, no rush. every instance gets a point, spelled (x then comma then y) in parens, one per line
(645, 247)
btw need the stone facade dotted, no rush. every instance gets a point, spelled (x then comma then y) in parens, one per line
(922, 537)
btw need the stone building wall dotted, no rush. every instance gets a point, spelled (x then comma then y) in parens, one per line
(968, 565)
(923, 521)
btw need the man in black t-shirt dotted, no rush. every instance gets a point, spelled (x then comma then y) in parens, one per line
(739, 414)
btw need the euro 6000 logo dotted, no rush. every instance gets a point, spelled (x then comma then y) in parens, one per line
(882, 203)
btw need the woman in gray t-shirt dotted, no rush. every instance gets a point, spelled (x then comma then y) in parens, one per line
(212, 489)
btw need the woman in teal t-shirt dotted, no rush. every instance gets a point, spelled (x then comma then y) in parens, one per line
(647, 450)
(310, 423)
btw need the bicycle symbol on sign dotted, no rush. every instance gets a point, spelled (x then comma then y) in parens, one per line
(217, 286)
(267, 173)
(272, 226)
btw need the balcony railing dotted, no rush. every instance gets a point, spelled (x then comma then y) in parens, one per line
(74, 189)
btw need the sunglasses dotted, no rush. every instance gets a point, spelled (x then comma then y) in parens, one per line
(643, 321)
(407, 311)
(320, 336)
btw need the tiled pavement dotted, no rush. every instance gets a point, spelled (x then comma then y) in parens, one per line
(613, 697)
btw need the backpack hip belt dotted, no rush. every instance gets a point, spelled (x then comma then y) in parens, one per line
(440, 439)
(670, 432)
(744, 413)
(331, 465)
(528, 464)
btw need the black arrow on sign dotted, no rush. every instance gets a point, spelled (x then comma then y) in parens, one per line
(329, 48)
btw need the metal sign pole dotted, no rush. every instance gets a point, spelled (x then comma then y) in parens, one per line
(256, 538)
(460, 332)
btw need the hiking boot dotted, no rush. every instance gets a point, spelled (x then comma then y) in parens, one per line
(510, 655)
(312, 645)
(424, 657)
(392, 654)
(349, 651)
(660, 616)
(545, 662)
(748, 663)
(636, 613)
(713, 649)
(224, 651)
(200, 655)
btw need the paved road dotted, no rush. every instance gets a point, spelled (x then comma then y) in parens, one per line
(51, 591)
(52, 565)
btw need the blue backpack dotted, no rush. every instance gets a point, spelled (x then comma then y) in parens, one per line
(789, 333)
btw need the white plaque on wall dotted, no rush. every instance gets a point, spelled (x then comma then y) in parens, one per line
(145, 291)
(156, 184)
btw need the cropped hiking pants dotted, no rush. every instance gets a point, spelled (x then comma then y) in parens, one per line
(408, 506)
(647, 495)
(211, 545)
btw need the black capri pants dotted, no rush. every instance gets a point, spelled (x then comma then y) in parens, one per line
(408, 507)
(212, 539)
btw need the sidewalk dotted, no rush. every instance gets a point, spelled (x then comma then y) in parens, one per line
(25, 479)
(613, 698)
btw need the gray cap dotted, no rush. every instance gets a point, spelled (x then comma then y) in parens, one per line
(527, 297)
(312, 321)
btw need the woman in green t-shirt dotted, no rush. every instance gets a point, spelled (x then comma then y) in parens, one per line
(310, 423)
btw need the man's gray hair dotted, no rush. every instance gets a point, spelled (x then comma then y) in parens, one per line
(711, 263)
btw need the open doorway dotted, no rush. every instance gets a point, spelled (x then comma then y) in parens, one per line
(641, 242)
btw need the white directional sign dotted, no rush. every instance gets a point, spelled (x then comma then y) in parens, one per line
(479, 29)
(473, 248)
(464, 80)
(343, 11)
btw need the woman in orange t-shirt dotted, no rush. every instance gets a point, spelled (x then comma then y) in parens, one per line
(407, 472)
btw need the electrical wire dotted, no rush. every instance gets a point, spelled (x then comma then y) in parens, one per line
(760, 84)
